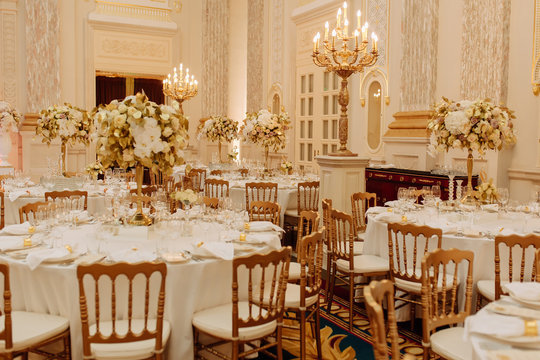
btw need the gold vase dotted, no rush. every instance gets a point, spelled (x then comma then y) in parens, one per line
(139, 218)
(219, 151)
(266, 151)
(469, 199)
(63, 159)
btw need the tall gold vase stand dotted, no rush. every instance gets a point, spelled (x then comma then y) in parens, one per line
(469, 198)
(139, 218)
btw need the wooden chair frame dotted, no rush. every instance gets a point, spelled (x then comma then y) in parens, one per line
(307, 224)
(216, 172)
(327, 224)
(243, 172)
(53, 195)
(261, 191)
(399, 251)
(375, 294)
(211, 202)
(198, 178)
(360, 202)
(264, 211)
(2, 211)
(273, 298)
(28, 209)
(97, 271)
(440, 299)
(308, 196)
(216, 188)
(147, 190)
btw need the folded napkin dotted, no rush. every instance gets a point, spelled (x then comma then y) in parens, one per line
(488, 323)
(388, 217)
(529, 291)
(214, 249)
(377, 210)
(392, 203)
(36, 257)
(11, 242)
(15, 194)
(132, 255)
(513, 354)
(490, 207)
(271, 240)
(19, 229)
(263, 226)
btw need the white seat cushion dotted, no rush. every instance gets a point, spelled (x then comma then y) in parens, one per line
(487, 288)
(292, 297)
(217, 321)
(294, 271)
(358, 248)
(131, 350)
(364, 264)
(449, 343)
(292, 213)
(416, 287)
(30, 328)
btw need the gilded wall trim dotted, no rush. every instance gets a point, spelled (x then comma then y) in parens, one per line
(536, 50)
(419, 40)
(485, 49)
(255, 56)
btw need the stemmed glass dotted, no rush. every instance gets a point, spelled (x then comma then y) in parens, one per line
(504, 197)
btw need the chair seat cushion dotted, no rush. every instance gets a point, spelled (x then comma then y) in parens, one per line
(292, 297)
(450, 344)
(294, 271)
(292, 213)
(416, 287)
(364, 264)
(30, 329)
(217, 321)
(487, 288)
(133, 350)
(358, 248)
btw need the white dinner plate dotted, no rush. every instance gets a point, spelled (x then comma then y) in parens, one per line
(530, 342)
(529, 303)
(57, 260)
(176, 258)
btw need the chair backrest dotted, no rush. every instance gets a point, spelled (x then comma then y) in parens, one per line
(29, 209)
(407, 246)
(211, 202)
(146, 202)
(156, 179)
(147, 190)
(310, 256)
(216, 172)
(198, 178)
(326, 214)
(168, 183)
(2, 210)
(308, 196)
(360, 202)
(7, 332)
(69, 194)
(440, 292)
(264, 211)
(307, 224)
(512, 250)
(376, 294)
(261, 191)
(342, 236)
(264, 281)
(244, 172)
(216, 188)
(141, 276)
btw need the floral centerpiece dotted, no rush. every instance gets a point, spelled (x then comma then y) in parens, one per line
(10, 120)
(94, 169)
(220, 129)
(473, 125)
(286, 166)
(70, 124)
(233, 154)
(486, 191)
(187, 197)
(138, 132)
(266, 129)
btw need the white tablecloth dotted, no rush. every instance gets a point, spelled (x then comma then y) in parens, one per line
(190, 287)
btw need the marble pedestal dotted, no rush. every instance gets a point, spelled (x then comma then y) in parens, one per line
(340, 178)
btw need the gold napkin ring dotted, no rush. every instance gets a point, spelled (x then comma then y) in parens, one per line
(531, 328)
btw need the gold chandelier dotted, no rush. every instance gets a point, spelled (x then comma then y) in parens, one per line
(181, 86)
(338, 56)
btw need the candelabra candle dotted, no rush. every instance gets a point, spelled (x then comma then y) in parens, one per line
(339, 56)
(180, 86)
(451, 188)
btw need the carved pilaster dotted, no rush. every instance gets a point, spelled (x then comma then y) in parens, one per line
(255, 56)
(8, 63)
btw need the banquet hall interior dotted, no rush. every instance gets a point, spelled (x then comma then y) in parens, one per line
(300, 179)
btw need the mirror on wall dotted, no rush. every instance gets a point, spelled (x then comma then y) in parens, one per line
(374, 115)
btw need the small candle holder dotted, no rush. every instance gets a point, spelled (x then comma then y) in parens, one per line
(459, 189)
(242, 237)
(451, 188)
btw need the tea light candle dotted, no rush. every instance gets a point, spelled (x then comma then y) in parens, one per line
(242, 237)
(246, 226)
(27, 242)
(404, 218)
(69, 248)
(31, 229)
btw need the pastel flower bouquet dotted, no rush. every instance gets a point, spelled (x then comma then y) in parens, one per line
(218, 128)
(286, 167)
(69, 123)
(10, 119)
(94, 169)
(186, 197)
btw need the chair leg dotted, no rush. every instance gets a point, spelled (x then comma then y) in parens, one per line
(317, 333)
(279, 335)
(302, 335)
(478, 301)
(351, 301)
(328, 274)
(195, 343)
(330, 296)
(235, 350)
(412, 312)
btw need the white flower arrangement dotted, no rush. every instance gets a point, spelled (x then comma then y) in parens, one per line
(218, 128)
(69, 123)
(233, 154)
(477, 125)
(487, 191)
(95, 168)
(138, 131)
(266, 129)
(10, 119)
(286, 166)
(187, 197)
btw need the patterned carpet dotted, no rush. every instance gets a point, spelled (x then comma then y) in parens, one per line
(339, 343)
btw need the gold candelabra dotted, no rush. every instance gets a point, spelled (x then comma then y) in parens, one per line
(344, 61)
(180, 86)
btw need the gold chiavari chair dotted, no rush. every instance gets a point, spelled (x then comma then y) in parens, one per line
(216, 172)
(261, 191)
(28, 332)
(440, 303)
(327, 212)
(407, 245)
(303, 298)
(156, 179)
(243, 172)
(376, 294)
(513, 249)
(211, 202)
(168, 184)
(147, 190)
(67, 194)
(216, 188)
(249, 320)
(29, 209)
(308, 223)
(345, 265)
(143, 333)
(146, 201)
(307, 198)
(264, 211)
(360, 203)
(2, 210)
(537, 261)
(198, 178)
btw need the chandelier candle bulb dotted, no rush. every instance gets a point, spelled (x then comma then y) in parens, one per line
(334, 39)
(358, 21)
(374, 42)
(346, 29)
(364, 31)
(326, 27)
(345, 10)
(338, 18)
(356, 39)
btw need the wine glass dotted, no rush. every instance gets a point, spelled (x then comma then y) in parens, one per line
(436, 191)
(504, 196)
